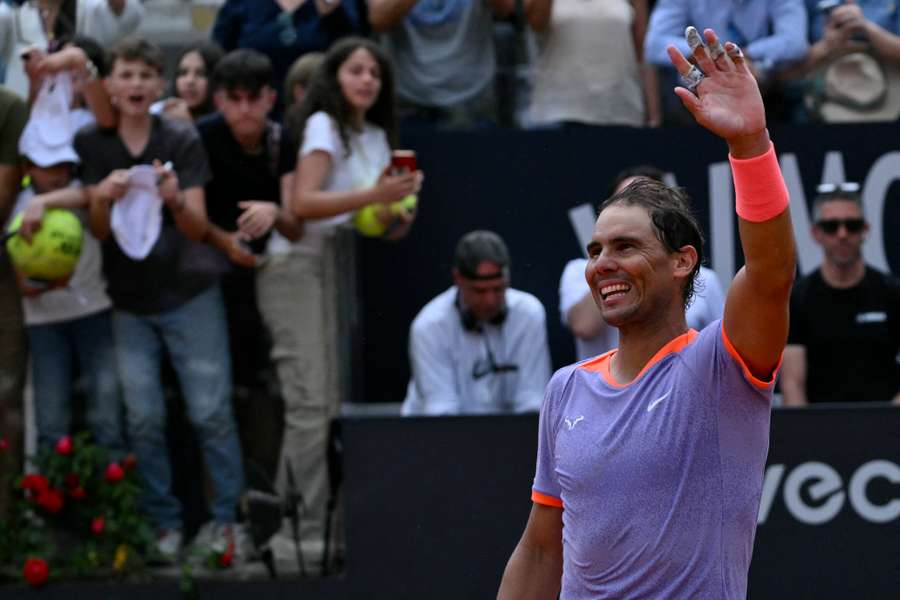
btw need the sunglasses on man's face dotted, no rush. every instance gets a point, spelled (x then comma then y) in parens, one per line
(831, 226)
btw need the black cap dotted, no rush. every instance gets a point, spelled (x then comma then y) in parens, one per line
(476, 247)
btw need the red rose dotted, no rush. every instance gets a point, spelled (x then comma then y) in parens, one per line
(114, 473)
(77, 493)
(4, 445)
(50, 500)
(129, 462)
(97, 525)
(64, 445)
(35, 483)
(35, 571)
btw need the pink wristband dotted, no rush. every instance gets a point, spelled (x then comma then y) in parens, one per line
(759, 189)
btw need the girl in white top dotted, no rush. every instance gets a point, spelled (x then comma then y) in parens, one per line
(347, 118)
(590, 67)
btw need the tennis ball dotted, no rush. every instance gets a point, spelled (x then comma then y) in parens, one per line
(367, 222)
(407, 204)
(54, 249)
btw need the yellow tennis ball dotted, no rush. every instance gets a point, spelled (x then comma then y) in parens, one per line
(367, 222)
(54, 250)
(407, 204)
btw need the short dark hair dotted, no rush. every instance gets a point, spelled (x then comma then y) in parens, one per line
(645, 171)
(837, 195)
(476, 247)
(671, 217)
(137, 49)
(243, 68)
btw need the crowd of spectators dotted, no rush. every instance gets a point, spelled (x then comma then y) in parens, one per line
(211, 204)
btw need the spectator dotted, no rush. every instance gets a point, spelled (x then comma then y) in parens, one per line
(347, 122)
(163, 300)
(284, 30)
(295, 85)
(480, 346)
(579, 312)
(68, 320)
(252, 166)
(853, 64)
(13, 350)
(191, 96)
(771, 34)
(590, 67)
(39, 24)
(845, 316)
(444, 56)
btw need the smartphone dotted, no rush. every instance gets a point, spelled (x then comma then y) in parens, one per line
(403, 161)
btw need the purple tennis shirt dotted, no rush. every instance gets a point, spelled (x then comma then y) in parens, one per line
(660, 479)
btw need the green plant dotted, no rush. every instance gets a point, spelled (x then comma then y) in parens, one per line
(76, 515)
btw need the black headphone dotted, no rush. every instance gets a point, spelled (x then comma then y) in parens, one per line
(471, 323)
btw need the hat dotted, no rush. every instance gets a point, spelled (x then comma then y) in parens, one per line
(476, 247)
(857, 87)
(47, 137)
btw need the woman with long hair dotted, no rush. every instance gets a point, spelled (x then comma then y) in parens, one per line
(347, 121)
(190, 92)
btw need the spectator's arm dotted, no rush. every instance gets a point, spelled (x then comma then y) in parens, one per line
(793, 375)
(584, 319)
(75, 60)
(33, 214)
(667, 23)
(432, 374)
(534, 570)
(788, 42)
(884, 43)
(98, 214)
(229, 243)
(287, 223)
(538, 13)
(649, 77)
(384, 15)
(533, 359)
(227, 27)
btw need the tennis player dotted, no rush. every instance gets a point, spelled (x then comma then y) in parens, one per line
(651, 456)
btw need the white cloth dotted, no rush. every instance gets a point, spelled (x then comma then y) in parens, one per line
(21, 27)
(707, 305)
(47, 138)
(137, 217)
(587, 69)
(370, 154)
(573, 287)
(86, 292)
(445, 359)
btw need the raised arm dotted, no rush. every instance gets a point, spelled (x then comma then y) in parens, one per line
(384, 15)
(729, 104)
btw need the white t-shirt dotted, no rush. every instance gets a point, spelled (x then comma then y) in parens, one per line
(707, 305)
(457, 371)
(86, 292)
(369, 155)
(587, 69)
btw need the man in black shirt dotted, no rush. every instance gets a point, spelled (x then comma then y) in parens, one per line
(252, 166)
(845, 316)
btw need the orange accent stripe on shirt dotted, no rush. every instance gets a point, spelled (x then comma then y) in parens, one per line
(601, 363)
(540, 498)
(756, 381)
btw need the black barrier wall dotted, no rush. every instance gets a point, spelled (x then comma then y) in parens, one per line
(435, 506)
(522, 184)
